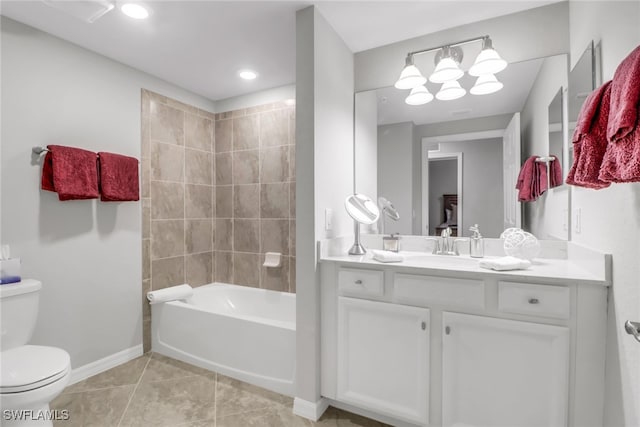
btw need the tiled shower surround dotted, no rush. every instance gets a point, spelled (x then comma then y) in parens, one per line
(218, 191)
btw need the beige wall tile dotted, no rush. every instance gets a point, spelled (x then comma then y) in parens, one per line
(146, 218)
(274, 200)
(199, 167)
(224, 136)
(167, 200)
(274, 164)
(146, 336)
(246, 237)
(276, 278)
(167, 272)
(167, 124)
(224, 201)
(167, 162)
(199, 235)
(292, 163)
(274, 236)
(292, 275)
(292, 237)
(198, 201)
(145, 181)
(181, 106)
(246, 167)
(146, 307)
(246, 203)
(224, 267)
(292, 200)
(274, 128)
(223, 169)
(146, 259)
(245, 133)
(224, 115)
(224, 234)
(246, 269)
(199, 269)
(167, 238)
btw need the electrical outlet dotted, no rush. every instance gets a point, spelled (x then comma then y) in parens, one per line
(565, 220)
(578, 220)
(328, 219)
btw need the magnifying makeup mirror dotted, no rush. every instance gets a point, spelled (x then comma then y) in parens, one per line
(363, 210)
(388, 210)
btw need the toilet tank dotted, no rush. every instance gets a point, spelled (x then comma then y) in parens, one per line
(18, 312)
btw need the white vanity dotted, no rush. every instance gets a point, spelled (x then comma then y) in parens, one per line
(438, 341)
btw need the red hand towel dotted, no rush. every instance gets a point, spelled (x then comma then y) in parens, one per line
(70, 172)
(625, 97)
(527, 181)
(555, 172)
(542, 180)
(590, 140)
(118, 178)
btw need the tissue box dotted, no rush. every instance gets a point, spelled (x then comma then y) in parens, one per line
(9, 271)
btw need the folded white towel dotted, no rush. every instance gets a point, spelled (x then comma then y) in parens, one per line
(170, 294)
(386, 256)
(505, 263)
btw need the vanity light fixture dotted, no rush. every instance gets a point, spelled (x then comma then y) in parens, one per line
(135, 10)
(486, 84)
(419, 95)
(247, 74)
(447, 72)
(451, 90)
(410, 76)
(488, 61)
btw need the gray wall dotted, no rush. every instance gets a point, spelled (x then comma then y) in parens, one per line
(482, 200)
(366, 150)
(324, 164)
(87, 253)
(395, 172)
(443, 179)
(610, 220)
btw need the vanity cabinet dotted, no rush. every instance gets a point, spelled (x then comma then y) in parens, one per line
(498, 372)
(440, 348)
(383, 357)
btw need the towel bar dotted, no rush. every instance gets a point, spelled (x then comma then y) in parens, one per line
(547, 160)
(39, 150)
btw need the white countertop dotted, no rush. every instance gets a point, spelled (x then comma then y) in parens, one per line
(542, 270)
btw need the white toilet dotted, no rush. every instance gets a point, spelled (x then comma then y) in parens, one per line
(31, 375)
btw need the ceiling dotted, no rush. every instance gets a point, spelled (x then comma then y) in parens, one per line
(518, 78)
(200, 45)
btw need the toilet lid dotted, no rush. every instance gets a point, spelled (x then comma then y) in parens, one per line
(31, 366)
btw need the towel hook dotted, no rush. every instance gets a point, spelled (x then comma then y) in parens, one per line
(39, 150)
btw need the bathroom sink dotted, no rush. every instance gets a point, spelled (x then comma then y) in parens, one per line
(428, 259)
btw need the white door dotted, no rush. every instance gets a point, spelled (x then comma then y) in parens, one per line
(511, 164)
(383, 358)
(503, 373)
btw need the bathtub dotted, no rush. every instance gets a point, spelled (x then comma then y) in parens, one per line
(245, 333)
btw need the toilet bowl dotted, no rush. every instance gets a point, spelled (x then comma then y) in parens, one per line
(31, 376)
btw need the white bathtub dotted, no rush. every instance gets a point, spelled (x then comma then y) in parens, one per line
(245, 333)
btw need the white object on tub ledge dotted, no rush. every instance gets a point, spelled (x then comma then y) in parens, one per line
(172, 293)
(272, 259)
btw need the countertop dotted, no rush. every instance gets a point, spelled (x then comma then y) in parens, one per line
(552, 271)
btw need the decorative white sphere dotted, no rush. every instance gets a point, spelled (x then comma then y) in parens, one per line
(520, 244)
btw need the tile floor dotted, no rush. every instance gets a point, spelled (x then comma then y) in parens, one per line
(157, 391)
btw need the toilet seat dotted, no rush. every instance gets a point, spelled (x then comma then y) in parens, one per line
(30, 367)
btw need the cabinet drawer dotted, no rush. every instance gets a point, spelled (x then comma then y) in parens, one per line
(361, 282)
(539, 300)
(430, 290)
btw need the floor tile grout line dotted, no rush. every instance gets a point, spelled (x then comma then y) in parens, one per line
(135, 389)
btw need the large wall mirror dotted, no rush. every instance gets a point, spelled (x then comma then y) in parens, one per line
(454, 163)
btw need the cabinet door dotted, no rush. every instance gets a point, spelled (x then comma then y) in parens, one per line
(500, 372)
(383, 358)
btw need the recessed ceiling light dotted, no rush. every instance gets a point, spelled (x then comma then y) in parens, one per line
(247, 74)
(135, 10)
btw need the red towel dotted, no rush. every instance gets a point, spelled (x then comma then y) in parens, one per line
(625, 97)
(556, 172)
(528, 182)
(590, 140)
(621, 161)
(70, 172)
(118, 178)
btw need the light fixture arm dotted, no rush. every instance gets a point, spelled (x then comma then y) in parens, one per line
(485, 39)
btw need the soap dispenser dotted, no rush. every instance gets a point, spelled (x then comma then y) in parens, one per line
(476, 249)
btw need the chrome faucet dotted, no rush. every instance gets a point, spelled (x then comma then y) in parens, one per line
(446, 245)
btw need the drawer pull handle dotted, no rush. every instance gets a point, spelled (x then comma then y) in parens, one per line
(534, 301)
(358, 282)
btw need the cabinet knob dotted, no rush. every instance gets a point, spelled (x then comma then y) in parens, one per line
(534, 301)
(358, 282)
(424, 325)
(447, 330)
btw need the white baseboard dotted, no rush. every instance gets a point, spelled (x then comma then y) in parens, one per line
(310, 410)
(104, 364)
